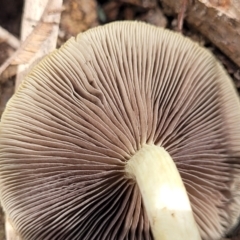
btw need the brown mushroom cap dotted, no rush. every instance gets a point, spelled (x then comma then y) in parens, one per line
(87, 108)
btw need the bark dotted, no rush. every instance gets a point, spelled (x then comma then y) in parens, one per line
(219, 21)
(47, 11)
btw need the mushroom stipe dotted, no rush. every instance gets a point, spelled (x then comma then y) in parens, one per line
(128, 131)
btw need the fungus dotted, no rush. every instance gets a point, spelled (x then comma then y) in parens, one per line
(128, 131)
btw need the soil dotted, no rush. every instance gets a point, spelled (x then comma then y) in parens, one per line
(80, 15)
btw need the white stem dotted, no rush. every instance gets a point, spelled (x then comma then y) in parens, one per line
(164, 195)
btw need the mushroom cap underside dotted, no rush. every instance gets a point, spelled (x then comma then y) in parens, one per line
(88, 107)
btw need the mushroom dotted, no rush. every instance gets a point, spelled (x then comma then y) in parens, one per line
(128, 131)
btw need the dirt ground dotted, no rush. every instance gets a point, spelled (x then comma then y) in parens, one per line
(80, 15)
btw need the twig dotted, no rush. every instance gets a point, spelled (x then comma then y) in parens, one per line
(219, 24)
(9, 38)
(47, 14)
(181, 15)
